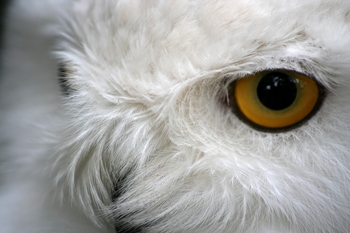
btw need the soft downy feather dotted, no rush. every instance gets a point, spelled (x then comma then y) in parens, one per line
(143, 139)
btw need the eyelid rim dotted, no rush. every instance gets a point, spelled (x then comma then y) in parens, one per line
(235, 109)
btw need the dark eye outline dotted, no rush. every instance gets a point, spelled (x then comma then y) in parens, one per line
(236, 110)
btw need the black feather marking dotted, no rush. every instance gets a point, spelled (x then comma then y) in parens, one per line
(63, 79)
(121, 225)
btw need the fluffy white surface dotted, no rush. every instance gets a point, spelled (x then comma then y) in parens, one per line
(144, 115)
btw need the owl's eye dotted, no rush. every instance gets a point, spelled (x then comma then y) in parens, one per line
(275, 100)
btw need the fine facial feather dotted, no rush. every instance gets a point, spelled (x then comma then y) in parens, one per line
(142, 139)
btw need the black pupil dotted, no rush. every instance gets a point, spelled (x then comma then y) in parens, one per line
(277, 90)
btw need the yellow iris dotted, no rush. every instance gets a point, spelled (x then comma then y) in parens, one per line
(276, 99)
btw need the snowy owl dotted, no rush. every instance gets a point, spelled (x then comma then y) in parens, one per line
(175, 116)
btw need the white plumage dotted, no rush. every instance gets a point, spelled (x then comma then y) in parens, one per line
(141, 137)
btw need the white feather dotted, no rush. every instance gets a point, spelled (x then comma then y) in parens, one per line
(144, 115)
